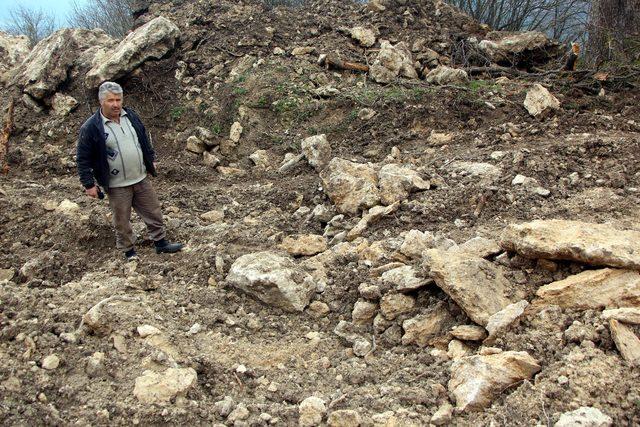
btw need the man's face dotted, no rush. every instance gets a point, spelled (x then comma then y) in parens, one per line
(111, 105)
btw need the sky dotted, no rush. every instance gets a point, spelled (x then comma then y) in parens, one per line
(58, 8)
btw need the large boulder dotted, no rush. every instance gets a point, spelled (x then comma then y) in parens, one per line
(520, 49)
(392, 61)
(396, 182)
(476, 285)
(477, 380)
(273, 279)
(13, 50)
(351, 186)
(53, 60)
(593, 289)
(153, 40)
(596, 244)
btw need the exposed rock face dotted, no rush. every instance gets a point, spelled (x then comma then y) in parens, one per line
(273, 279)
(477, 380)
(539, 100)
(396, 182)
(526, 48)
(52, 60)
(305, 244)
(350, 186)
(151, 41)
(317, 150)
(595, 244)
(593, 289)
(392, 61)
(584, 416)
(475, 284)
(442, 75)
(13, 50)
(154, 387)
(627, 342)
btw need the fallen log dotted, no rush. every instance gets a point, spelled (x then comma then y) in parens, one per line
(4, 138)
(332, 61)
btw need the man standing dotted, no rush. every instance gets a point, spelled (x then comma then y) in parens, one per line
(113, 150)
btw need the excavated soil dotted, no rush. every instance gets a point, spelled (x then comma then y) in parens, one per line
(586, 154)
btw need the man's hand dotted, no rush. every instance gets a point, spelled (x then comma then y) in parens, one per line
(92, 192)
(155, 165)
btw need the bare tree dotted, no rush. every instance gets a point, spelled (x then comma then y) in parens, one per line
(560, 19)
(614, 31)
(113, 16)
(33, 23)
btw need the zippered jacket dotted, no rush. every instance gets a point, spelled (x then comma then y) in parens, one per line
(91, 154)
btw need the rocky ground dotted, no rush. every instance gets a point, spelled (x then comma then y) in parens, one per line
(401, 247)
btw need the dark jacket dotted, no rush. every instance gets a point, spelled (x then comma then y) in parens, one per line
(91, 156)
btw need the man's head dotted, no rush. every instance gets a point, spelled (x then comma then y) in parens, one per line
(110, 97)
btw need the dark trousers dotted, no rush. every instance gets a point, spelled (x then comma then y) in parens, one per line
(141, 197)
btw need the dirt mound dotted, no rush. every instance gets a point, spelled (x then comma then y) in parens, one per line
(87, 338)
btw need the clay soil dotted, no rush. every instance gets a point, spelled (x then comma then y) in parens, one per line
(64, 264)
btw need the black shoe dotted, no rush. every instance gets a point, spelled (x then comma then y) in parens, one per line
(164, 247)
(131, 255)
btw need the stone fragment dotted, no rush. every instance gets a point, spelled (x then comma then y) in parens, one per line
(457, 349)
(469, 332)
(235, 132)
(626, 314)
(213, 216)
(371, 217)
(154, 387)
(195, 145)
(368, 291)
(303, 50)
(311, 411)
(376, 6)
(627, 342)
(147, 330)
(350, 186)
(363, 312)
(318, 309)
(365, 36)
(440, 138)
(67, 207)
(422, 329)
(241, 67)
(416, 242)
(539, 100)
(404, 279)
(396, 182)
(261, 159)
(443, 75)
(595, 244)
(505, 317)
(476, 285)
(593, 289)
(481, 247)
(443, 415)
(273, 279)
(6, 274)
(51, 362)
(317, 150)
(210, 159)
(393, 305)
(304, 244)
(585, 416)
(152, 40)
(224, 407)
(392, 61)
(485, 171)
(63, 104)
(344, 418)
(477, 380)
(239, 414)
